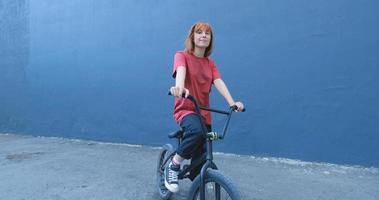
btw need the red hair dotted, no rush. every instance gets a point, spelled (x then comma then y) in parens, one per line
(190, 45)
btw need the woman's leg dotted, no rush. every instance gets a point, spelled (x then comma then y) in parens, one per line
(194, 137)
(192, 144)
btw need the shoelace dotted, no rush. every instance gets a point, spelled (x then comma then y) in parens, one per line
(172, 175)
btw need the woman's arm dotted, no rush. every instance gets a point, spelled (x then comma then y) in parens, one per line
(178, 89)
(223, 90)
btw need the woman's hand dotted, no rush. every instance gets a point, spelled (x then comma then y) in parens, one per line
(178, 92)
(239, 105)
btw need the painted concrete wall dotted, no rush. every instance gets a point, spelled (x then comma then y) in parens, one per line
(307, 72)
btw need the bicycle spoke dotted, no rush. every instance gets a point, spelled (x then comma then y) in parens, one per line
(218, 192)
(213, 191)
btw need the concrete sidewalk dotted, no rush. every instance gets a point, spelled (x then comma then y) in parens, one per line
(39, 168)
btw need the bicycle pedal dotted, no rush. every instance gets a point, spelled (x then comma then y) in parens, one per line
(185, 167)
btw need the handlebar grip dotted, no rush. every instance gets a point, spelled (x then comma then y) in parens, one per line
(234, 107)
(183, 95)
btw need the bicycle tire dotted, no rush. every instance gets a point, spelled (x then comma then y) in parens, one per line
(166, 151)
(214, 177)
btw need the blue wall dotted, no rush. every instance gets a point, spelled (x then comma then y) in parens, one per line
(307, 72)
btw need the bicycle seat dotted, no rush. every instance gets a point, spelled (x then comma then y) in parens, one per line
(176, 134)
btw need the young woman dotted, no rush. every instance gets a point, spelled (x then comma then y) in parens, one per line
(194, 74)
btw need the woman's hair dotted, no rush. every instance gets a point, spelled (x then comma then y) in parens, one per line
(190, 45)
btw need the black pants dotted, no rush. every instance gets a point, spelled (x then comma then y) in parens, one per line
(193, 141)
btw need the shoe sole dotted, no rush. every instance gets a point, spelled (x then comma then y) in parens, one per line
(170, 187)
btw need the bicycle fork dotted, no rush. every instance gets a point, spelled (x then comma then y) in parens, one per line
(208, 164)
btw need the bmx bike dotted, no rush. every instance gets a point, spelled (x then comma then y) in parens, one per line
(210, 183)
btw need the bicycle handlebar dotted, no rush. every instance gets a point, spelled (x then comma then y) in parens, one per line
(229, 114)
(190, 97)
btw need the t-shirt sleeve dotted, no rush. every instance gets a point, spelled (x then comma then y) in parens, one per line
(215, 73)
(179, 60)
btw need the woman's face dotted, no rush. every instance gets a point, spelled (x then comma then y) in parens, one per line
(202, 38)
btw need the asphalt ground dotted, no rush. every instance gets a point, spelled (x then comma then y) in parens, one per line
(39, 168)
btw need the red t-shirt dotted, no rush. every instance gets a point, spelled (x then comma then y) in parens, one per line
(200, 74)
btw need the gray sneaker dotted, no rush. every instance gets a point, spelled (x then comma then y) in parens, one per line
(171, 177)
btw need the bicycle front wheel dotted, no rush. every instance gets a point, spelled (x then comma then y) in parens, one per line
(217, 187)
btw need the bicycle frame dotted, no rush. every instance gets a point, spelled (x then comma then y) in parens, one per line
(209, 157)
